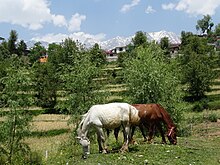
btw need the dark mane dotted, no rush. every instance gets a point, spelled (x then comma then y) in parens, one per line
(166, 117)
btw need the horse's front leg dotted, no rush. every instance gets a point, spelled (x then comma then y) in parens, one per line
(101, 140)
(141, 126)
(159, 127)
(126, 131)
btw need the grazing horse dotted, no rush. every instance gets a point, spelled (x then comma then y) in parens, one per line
(109, 116)
(152, 115)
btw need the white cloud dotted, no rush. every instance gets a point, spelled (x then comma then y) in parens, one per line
(75, 22)
(125, 8)
(80, 36)
(194, 7)
(169, 6)
(150, 10)
(34, 14)
(59, 20)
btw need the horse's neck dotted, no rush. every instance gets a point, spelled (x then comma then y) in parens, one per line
(83, 128)
(167, 119)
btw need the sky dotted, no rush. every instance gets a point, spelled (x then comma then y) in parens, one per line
(55, 20)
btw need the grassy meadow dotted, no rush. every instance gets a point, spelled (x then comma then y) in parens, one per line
(53, 141)
(57, 145)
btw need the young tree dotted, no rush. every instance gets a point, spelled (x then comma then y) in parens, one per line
(98, 56)
(12, 42)
(46, 84)
(151, 80)
(196, 62)
(77, 74)
(205, 24)
(55, 54)
(16, 95)
(217, 30)
(22, 48)
(4, 52)
(139, 39)
(165, 46)
(36, 52)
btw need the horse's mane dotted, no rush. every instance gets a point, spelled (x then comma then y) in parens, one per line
(166, 117)
(81, 122)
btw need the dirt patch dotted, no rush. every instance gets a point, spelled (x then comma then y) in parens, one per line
(207, 129)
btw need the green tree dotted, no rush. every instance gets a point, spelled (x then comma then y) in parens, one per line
(139, 39)
(22, 48)
(79, 81)
(4, 52)
(15, 127)
(217, 30)
(70, 51)
(205, 24)
(36, 52)
(55, 54)
(151, 80)
(45, 84)
(12, 42)
(98, 56)
(165, 46)
(196, 62)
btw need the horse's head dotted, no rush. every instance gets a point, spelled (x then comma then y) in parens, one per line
(172, 136)
(84, 141)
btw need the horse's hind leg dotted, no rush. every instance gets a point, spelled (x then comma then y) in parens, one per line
(151, 133)
(116, 132)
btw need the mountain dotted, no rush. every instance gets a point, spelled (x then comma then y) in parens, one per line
(173, 38)
(121, 41)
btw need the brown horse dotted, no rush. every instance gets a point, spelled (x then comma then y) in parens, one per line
(152, 116)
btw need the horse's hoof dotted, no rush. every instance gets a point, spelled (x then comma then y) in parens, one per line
(123, 150)
(105, 151)
(84, 156)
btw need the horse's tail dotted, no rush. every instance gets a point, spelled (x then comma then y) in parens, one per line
(166, 117)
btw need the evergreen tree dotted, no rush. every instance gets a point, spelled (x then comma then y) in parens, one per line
(12, 42)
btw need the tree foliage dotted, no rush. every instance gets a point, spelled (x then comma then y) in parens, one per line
(151, 80)
(45, 85)
(12, 42)
(16, 95)
(98, 56)
(196, 62)
(139, 39)
(36, 52)
(205, 24)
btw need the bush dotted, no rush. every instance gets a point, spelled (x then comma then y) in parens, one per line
(34, 159)
(212, 117)
(199, 106)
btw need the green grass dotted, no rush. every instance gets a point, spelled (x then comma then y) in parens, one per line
(192, 150)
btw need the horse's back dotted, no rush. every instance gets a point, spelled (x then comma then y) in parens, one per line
(150, 111)
(109, 115)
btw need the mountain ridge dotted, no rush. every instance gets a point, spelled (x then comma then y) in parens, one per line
(119, 41)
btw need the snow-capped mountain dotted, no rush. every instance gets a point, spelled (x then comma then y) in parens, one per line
(173, 38)
(121, 41)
